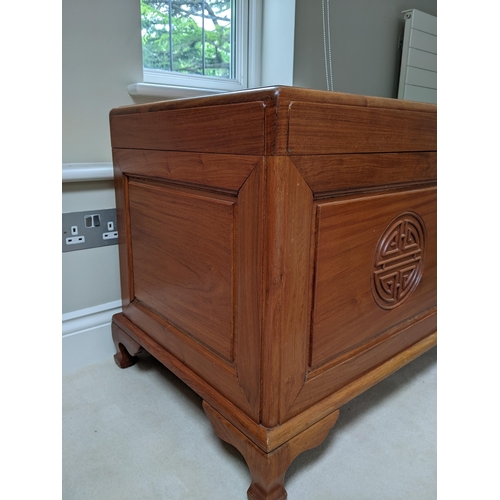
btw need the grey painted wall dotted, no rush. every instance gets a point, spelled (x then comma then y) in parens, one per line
(101, 55)
(364, 36)
(89, 277)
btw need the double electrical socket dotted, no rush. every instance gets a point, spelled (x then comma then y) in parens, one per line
(90, 229)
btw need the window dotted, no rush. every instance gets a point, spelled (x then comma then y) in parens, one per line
(199, 44)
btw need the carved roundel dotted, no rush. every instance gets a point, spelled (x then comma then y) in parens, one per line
(399, 260)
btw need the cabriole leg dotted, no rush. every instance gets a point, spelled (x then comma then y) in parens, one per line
(268, 470)
(126, 347)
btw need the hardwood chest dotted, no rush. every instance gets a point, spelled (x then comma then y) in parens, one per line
(278, 254)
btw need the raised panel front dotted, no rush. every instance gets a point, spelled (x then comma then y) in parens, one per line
(183, 260)
(375, 268)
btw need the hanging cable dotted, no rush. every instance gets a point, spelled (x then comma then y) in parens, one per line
(327, 43)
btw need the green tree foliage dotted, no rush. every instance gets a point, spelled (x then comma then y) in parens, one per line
(187, 37)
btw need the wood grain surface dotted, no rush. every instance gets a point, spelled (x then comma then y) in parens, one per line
(268, 470)
(288, 232)
(235, 128)
(331, 128)
(183, 260)
(251, 226)
(345, 314)
(249, 285)
(344, 173)
(124, 237)
(223, 172)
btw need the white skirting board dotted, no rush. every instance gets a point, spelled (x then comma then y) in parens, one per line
(87, 336)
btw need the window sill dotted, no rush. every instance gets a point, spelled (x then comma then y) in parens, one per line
(169, 91)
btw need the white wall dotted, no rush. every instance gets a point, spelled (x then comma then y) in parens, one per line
(101, 41)
(90, 283)
(90, 277)
(278, 33)
(364, 36)
(101, 55)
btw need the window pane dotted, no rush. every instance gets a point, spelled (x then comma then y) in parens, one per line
(155, 19)
(189, 37)
(218, 38)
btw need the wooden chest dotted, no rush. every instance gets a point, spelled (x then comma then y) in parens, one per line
(278, 254)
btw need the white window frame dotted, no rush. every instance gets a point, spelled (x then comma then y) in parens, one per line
(161, 83)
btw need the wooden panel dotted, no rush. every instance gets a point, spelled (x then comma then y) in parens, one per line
(335, 377)
(183, 251)
(297, 285)
(330, 173)
(330, 129)
(202, 370)
(124, 239)
(346, 314)
(288, 240)
(249, 308)
(235, 128)
(226, 172)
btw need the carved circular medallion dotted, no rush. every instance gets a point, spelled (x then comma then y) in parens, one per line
(399, 260)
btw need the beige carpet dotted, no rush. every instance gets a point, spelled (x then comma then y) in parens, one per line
(140, 433)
